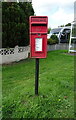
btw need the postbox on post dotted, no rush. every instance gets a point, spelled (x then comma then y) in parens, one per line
(38, 42)
(38, 36)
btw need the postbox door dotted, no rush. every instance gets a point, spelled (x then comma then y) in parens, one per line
(38, 46)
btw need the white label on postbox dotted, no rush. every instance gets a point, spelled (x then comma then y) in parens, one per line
(38, 44)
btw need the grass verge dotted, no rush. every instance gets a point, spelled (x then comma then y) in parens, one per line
(56, 88)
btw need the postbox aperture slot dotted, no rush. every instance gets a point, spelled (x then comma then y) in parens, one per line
(38, 28)
(38, 24)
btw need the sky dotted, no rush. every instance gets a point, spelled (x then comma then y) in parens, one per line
(59, 12)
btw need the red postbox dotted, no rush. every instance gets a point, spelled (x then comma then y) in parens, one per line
(38, 36)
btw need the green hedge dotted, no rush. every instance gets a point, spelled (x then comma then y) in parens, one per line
(53, 40)
(15, 23)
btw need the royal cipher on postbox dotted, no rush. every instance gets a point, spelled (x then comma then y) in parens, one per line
(38, 36)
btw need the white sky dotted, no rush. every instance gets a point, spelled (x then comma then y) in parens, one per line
(59, 12)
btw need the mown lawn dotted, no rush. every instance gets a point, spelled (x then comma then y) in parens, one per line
(56, 88)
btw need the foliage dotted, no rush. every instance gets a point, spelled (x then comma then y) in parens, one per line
(69, 24)
(56, 88)
(49, 29)
(53, 40)
(61, 26)
(15, 23)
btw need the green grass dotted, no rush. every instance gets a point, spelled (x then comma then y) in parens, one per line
(56, 88)
(0, 91)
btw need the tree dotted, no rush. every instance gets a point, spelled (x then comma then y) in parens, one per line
(15, 23)
(61, 26)
(69, 24)
(49, 29)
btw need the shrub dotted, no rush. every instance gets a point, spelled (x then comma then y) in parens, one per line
(53, 40)
(15, 23)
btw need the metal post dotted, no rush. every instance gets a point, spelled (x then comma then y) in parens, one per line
(36, 76)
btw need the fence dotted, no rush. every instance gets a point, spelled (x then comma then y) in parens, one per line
(20, 53)
(60, 46)
(13, 54)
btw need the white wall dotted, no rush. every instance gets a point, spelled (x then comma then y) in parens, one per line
(13, 54)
